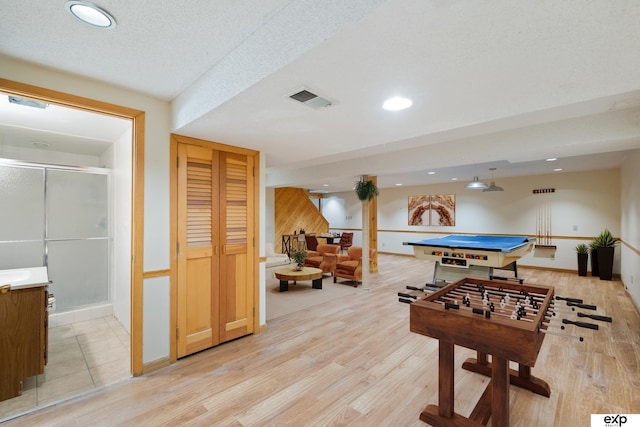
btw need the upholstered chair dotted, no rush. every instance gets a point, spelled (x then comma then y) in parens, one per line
(322, 258)
(346, 240)
(349, 266)
(312, 242)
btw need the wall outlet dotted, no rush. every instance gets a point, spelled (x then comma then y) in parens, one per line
(575, 228)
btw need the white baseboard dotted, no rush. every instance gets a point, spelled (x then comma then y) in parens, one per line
(80, 315)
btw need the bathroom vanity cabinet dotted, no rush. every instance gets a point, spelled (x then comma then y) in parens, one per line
(23, 333)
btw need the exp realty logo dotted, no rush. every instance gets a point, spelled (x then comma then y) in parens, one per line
(615, 420)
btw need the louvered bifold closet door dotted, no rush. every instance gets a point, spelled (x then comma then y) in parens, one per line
(198, 249)
(236, 292)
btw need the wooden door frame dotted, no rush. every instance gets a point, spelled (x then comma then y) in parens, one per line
(175, 139)
(137, 118)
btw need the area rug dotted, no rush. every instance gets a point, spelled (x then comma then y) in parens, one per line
(301, 295)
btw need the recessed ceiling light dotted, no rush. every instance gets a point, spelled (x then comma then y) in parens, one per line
(551, 159)
(454, 179)
(397, 103)
(431, 173)
(325, 185)
(557, 170)
(398, 185)
(91, 14)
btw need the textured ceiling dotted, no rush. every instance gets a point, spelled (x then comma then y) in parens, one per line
(495, 83)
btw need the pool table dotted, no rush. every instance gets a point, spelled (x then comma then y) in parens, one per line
(459, 256)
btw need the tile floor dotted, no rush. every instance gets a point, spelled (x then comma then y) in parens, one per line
(82, 356)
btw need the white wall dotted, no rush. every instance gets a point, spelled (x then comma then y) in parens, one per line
(118, 158)
(630, 225)
(588, 200)
(155, 318)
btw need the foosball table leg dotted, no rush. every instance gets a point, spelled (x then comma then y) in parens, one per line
(521, 378)
(494, 403)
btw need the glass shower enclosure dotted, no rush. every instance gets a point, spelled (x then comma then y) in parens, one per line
(58, 217)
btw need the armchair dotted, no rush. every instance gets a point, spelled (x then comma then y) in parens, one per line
(350, 266)
(323, 258)
(312, 242)
(346, 240)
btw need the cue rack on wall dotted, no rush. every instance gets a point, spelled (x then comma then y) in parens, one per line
(543, 219)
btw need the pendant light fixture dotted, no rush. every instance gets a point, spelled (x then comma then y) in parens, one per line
(476, 184)
(493, 186)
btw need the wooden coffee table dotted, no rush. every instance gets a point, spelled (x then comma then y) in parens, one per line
(307, 273)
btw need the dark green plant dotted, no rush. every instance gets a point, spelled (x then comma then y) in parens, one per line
(298, 256)
(606, 239)
(582, 249)
(366, 190)
(595, 244)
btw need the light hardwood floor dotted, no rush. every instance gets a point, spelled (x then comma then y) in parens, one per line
(83, 356)
(352, 361)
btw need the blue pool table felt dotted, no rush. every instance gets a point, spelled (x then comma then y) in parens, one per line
(486, 243)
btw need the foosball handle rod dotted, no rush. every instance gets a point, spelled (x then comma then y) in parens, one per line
(576, 300)
(426, 288)
(555, 311)
(544, 331)
(551, 325)
(405, 300)
(560, 309)
(595, 317)
(514, 279)
(403, 295)
(585, 306)
(581, 324)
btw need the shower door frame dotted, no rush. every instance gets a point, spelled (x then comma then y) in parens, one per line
(137, 118)
(46, 168)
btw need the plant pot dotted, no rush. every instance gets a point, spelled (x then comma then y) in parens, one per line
(595, 270)
(605, 262)
(582, 264)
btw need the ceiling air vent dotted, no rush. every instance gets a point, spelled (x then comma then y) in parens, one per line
(310, 99)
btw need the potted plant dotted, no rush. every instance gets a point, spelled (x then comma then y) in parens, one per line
(593, 250)
(298, 256)
(606, 251)
(583, 254)
(366, 190)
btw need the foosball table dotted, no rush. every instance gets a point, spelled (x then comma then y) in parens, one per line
(505, 320)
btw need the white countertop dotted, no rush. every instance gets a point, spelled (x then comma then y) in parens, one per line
(20, 278)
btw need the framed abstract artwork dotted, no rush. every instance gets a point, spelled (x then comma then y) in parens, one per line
(443, 210)
(435, 210)
(419, 210)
